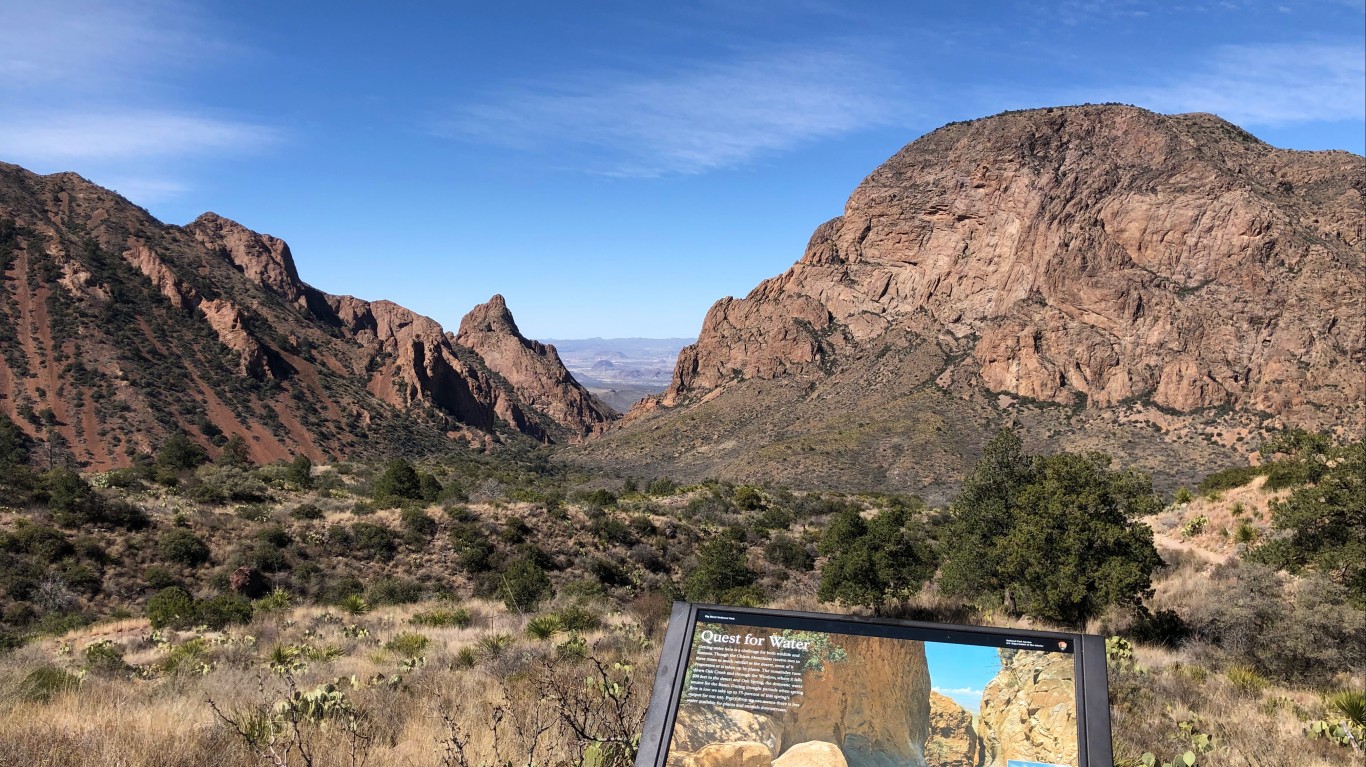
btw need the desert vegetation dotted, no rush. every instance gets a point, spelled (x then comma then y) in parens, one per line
(495, 607)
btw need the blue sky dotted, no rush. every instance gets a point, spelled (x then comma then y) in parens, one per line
(612, 168)
(961, 672)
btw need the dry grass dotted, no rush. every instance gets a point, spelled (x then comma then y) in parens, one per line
(501, 708)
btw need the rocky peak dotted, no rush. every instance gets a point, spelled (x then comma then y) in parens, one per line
(265, 260)
(1082, 256)
(533, 369)
(489, 317)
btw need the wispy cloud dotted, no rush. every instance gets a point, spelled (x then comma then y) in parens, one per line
(92, 86)
(967, 697)
(691, 120)
(1275, 84)
(75, 137)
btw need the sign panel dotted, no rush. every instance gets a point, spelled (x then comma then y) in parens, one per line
(757, 687)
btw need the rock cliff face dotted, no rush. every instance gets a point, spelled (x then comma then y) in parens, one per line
(117, 329)
(953, 740)
(871, 709)
(533, 369)
(1170, 271)
(875, 705)
(1029, 710)
(1097, 254)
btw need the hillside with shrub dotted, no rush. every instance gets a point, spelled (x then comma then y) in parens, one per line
(493, 607)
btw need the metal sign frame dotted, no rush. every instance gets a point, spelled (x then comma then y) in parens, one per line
(1092, 692)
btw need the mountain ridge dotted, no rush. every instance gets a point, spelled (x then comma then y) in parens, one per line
(123, 329)
(1103, 272)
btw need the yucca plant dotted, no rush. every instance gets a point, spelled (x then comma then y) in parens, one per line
(492, 646)
(1246, 679)
(543, 627)
(355, 604)
(1350, 704)
(466, 657)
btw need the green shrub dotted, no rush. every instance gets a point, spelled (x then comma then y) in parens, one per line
(748, 498)
(515, 530)
(225, 484)
(374, 541)
(608, 573)
(662, 486)
(1183, 495)
(610, 530)
(1228, 479)
(398, 482)
(394, 591)
(223, 610)
(524, 585)
(171, 607)
(459, 617)
(44, 682)
(601, 497)
(306, 511)
(273, 535)
(786, 551)
(642, 526)
(179, 453)
(185, 656)
(407, 645)
(103, 657)
(182, 547)
(578, 619)
(721, 574)
(300, 473)
(158, 577)
(418, 526)
(43, 543)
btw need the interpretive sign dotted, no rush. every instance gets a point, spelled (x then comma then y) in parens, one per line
(754, 688)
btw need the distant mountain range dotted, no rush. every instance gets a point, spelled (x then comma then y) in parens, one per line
(117, 329)
(1160, 288)
(621, 371)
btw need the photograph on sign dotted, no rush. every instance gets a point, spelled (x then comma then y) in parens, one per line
(759, 689)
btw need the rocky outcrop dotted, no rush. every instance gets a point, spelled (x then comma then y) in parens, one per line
(1090, 255)
(1029, 710)
(263, 259)
(533, 369)
(953, 740)
(1162, 288)
(127, 329)
(816, 753)
(867, 705)
(875, 705)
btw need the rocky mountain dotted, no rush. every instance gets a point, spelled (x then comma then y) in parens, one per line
(533, 369)
(116, 329)
(1159, 287)
(953, 740)
(1029, 710)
